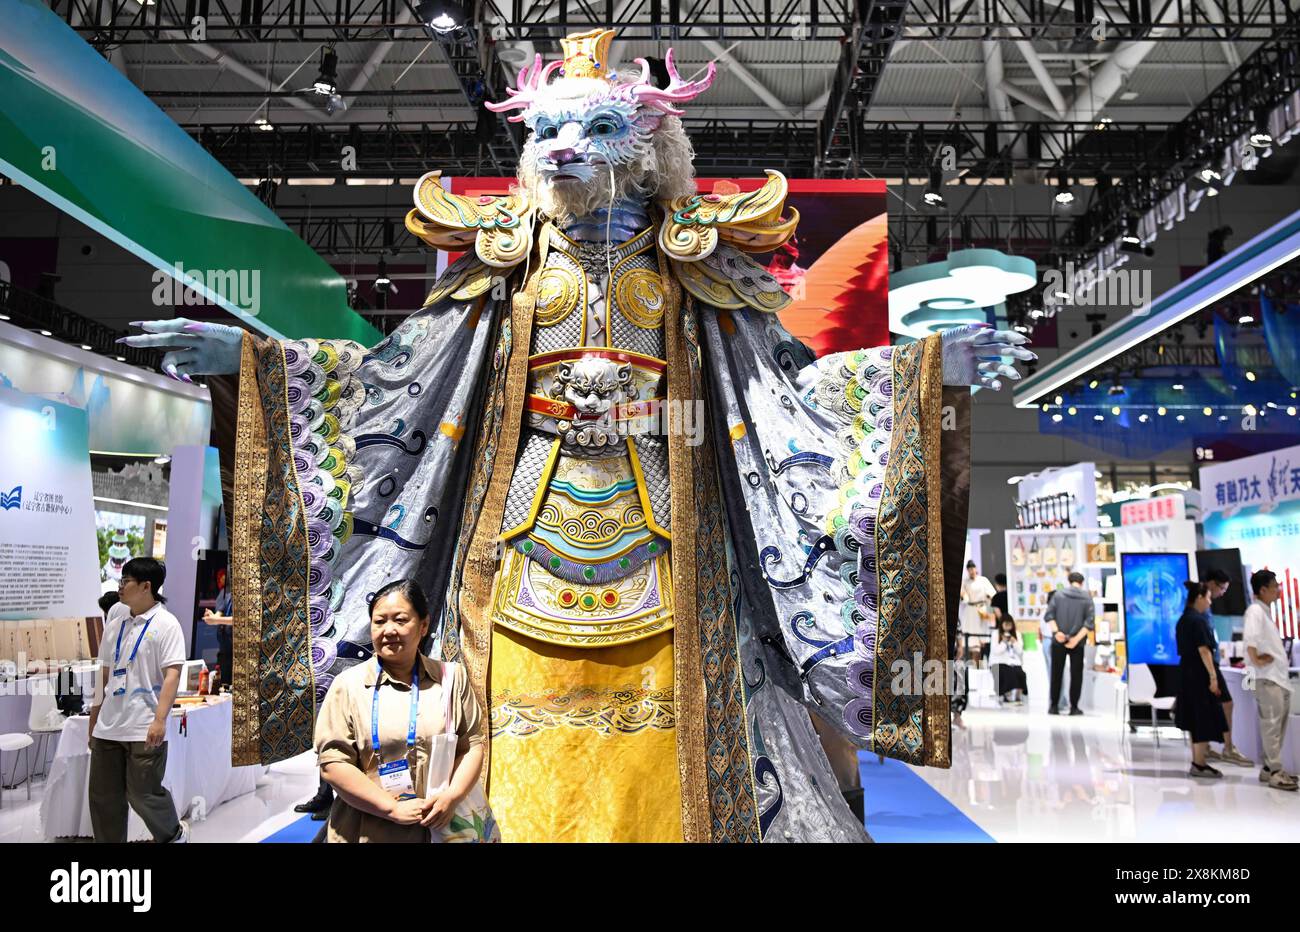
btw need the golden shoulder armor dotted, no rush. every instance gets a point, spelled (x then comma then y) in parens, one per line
(465, 279)
(499, 226)
(729, 279)
(751, 221)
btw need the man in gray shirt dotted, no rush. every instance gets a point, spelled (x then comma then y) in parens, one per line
(1070, 615)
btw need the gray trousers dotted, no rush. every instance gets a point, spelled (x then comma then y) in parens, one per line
(129, 772)
(1274, 704)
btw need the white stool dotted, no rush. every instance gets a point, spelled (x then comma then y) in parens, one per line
(17, 742)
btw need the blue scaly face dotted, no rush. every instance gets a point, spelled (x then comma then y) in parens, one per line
(571, 141)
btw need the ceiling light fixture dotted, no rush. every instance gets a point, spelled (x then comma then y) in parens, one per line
(933, 197)
(1064, 195)
(327, 82)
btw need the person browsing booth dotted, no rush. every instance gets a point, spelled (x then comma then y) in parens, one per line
(140, 658)
(1070, 615)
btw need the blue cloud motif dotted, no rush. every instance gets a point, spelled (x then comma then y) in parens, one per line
(12, 499)
(931, 298)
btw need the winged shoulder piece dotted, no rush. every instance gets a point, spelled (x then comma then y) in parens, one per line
(751, 221)
(498, 226)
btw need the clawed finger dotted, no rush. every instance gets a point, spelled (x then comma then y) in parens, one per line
(160, 340)
(990, 350)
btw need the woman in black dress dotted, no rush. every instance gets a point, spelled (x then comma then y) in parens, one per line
(1199, 710)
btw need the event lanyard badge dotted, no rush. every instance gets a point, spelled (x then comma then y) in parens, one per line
(395, 776)
(119, 672)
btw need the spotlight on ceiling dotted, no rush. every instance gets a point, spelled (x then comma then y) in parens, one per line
(327, 82)
(1143, 418)
(1178, 386)
(1261, 138)
(441, 15)
(1115, 389)
(1064, 195)
(933, 197)
(1130, 236)
(1057, 418)
(1099, 417)
(383, 284)
(1072, 411)
(1246, 318)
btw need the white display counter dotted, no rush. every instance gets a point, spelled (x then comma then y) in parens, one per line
(199, 775)
(1245, 721)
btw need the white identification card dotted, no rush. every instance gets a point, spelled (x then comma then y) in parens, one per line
(395, 778)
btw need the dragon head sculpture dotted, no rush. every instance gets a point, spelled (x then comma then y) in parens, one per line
(597, 137)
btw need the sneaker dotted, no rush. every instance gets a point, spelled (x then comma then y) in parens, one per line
(1205, 772)
(182, 834)
(1212, 754)
(1053, 711)
(1236, 757)
(1265, 774)
(1282, 781)
(1076, 711)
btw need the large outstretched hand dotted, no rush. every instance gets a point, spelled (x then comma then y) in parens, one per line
(973, 355)
(195, 348)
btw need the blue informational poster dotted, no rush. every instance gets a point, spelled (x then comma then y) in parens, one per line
(1154, 597)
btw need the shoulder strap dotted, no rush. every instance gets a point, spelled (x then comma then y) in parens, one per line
(448, 679)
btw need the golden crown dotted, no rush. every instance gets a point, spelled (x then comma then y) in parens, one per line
(586, 54)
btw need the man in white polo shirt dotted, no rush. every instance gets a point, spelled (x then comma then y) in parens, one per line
(141, 656)
(1267, 657)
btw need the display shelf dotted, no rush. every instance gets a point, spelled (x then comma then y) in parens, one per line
(1040, 562)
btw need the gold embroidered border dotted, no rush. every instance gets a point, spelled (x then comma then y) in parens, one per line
(480, 562)
(607, 711)
(251, 462)
(937, 712)
(688, 683)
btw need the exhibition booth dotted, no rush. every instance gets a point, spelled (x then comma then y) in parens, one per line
(106, 462)
(1245, 516)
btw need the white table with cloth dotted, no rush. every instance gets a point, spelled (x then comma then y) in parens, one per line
(1245, 720)
(199, 775)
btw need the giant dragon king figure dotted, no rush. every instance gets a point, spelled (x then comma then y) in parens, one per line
(663, 537)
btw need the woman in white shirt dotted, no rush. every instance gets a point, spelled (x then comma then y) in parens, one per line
(1007, 663)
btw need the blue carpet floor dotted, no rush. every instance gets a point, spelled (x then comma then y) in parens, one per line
(295, 833)
(900, 806)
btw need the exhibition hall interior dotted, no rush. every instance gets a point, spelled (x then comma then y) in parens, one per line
(643, 421)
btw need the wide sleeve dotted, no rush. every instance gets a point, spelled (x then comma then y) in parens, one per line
(847, 482)
(345, 460)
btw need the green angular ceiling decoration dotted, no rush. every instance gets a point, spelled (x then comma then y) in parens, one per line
(80, 135)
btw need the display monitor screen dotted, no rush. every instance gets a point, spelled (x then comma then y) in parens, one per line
(1154, 596)
(1234, 601)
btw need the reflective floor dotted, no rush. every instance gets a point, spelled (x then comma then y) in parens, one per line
(1018, 775)
(1022, 775)
(251, 817)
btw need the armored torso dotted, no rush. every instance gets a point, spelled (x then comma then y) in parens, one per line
(587, 524)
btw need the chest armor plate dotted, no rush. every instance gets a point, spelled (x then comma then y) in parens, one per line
(587, 518)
